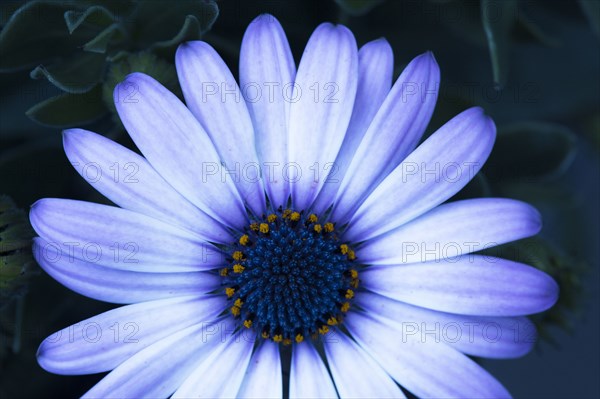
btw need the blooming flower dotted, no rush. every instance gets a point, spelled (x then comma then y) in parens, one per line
(292, 214)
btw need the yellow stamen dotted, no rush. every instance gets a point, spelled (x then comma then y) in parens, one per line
(254, 226)
(332, 321)
(248, 323)
(317, 228)
(265, 335)
(264, 228)
(271, 218)
(353, 273)
(224, 272)
(344, 248)
(328, 227)
(229, 292)
(235, 311)
(312, 218)
(238, 302)
(244, 240)
(354, 283)
(237, 268)
(286, 214)
(295, 216)
(323, 330)
(345, 307)
(351, 255)
(287, 341)
(238, 255)
(349, 294)
(277, 338)
(299, 338)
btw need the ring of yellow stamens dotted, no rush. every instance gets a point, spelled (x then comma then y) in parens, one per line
(264, 228)
(248, 323)
(237, 268)
(244, 240)
(328, 227)
(238, 255)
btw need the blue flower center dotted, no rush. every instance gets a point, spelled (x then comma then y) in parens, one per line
(290, 277)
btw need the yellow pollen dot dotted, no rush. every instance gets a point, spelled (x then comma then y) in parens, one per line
(286, 214)
(345, 307)
(224, 272)
(237, 268)
(323, 330)
(247, 323)
(254, 226)
(244, 240)
(229, 292)
(317, 228)
(344, 248)
(349, 294)
(299, 338)
(238, 255)
(354, 283)
(287, 341)
(277, 338)
(312, 218)
(353, 273)
(332, 321)
(295, 216)
(238, 302)
(351, 255)
(264, 228)
(271, 218)
(235, 311)
(328, 227)
(265, 335)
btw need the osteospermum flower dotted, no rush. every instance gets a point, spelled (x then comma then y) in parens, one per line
(289, 223)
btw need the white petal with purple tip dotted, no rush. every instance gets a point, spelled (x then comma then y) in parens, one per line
(427, 369)
(129, 181)
(177, 146)
(472, 285)
(115, 285)
(121, 239)
(213, 96)
(309, 377)
(452, 230)
(375, 68)
(102, 342)
(434, 172)
(266, 69)
(392, 135)
(264, 375)
(322, 102)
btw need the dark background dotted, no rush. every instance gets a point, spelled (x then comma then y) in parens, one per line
(542, 89)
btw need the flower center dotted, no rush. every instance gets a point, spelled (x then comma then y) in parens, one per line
(290, 277)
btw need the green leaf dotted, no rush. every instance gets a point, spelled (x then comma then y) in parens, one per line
(157, 21)
(99, 44)
(591, 9)
(35, 33)
(69, 110)
(96, 16)
(79, 74)
(358, 7)
(531, 150)
(499, 17)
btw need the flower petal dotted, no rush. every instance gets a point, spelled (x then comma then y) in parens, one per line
(213, 96)
(220, 375)
(118, 238)
(434, 172)
(114, 285)
(309, 377)
(493, 337)
(158, 370)
(266, 69)
(322, 102)
(129, 181)
(393, 133)
(264, 376)
(471, 285)
(375, 68)
(452, 230)
(103, 342)
(177, 146)
(427, 369)
(355, 373)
